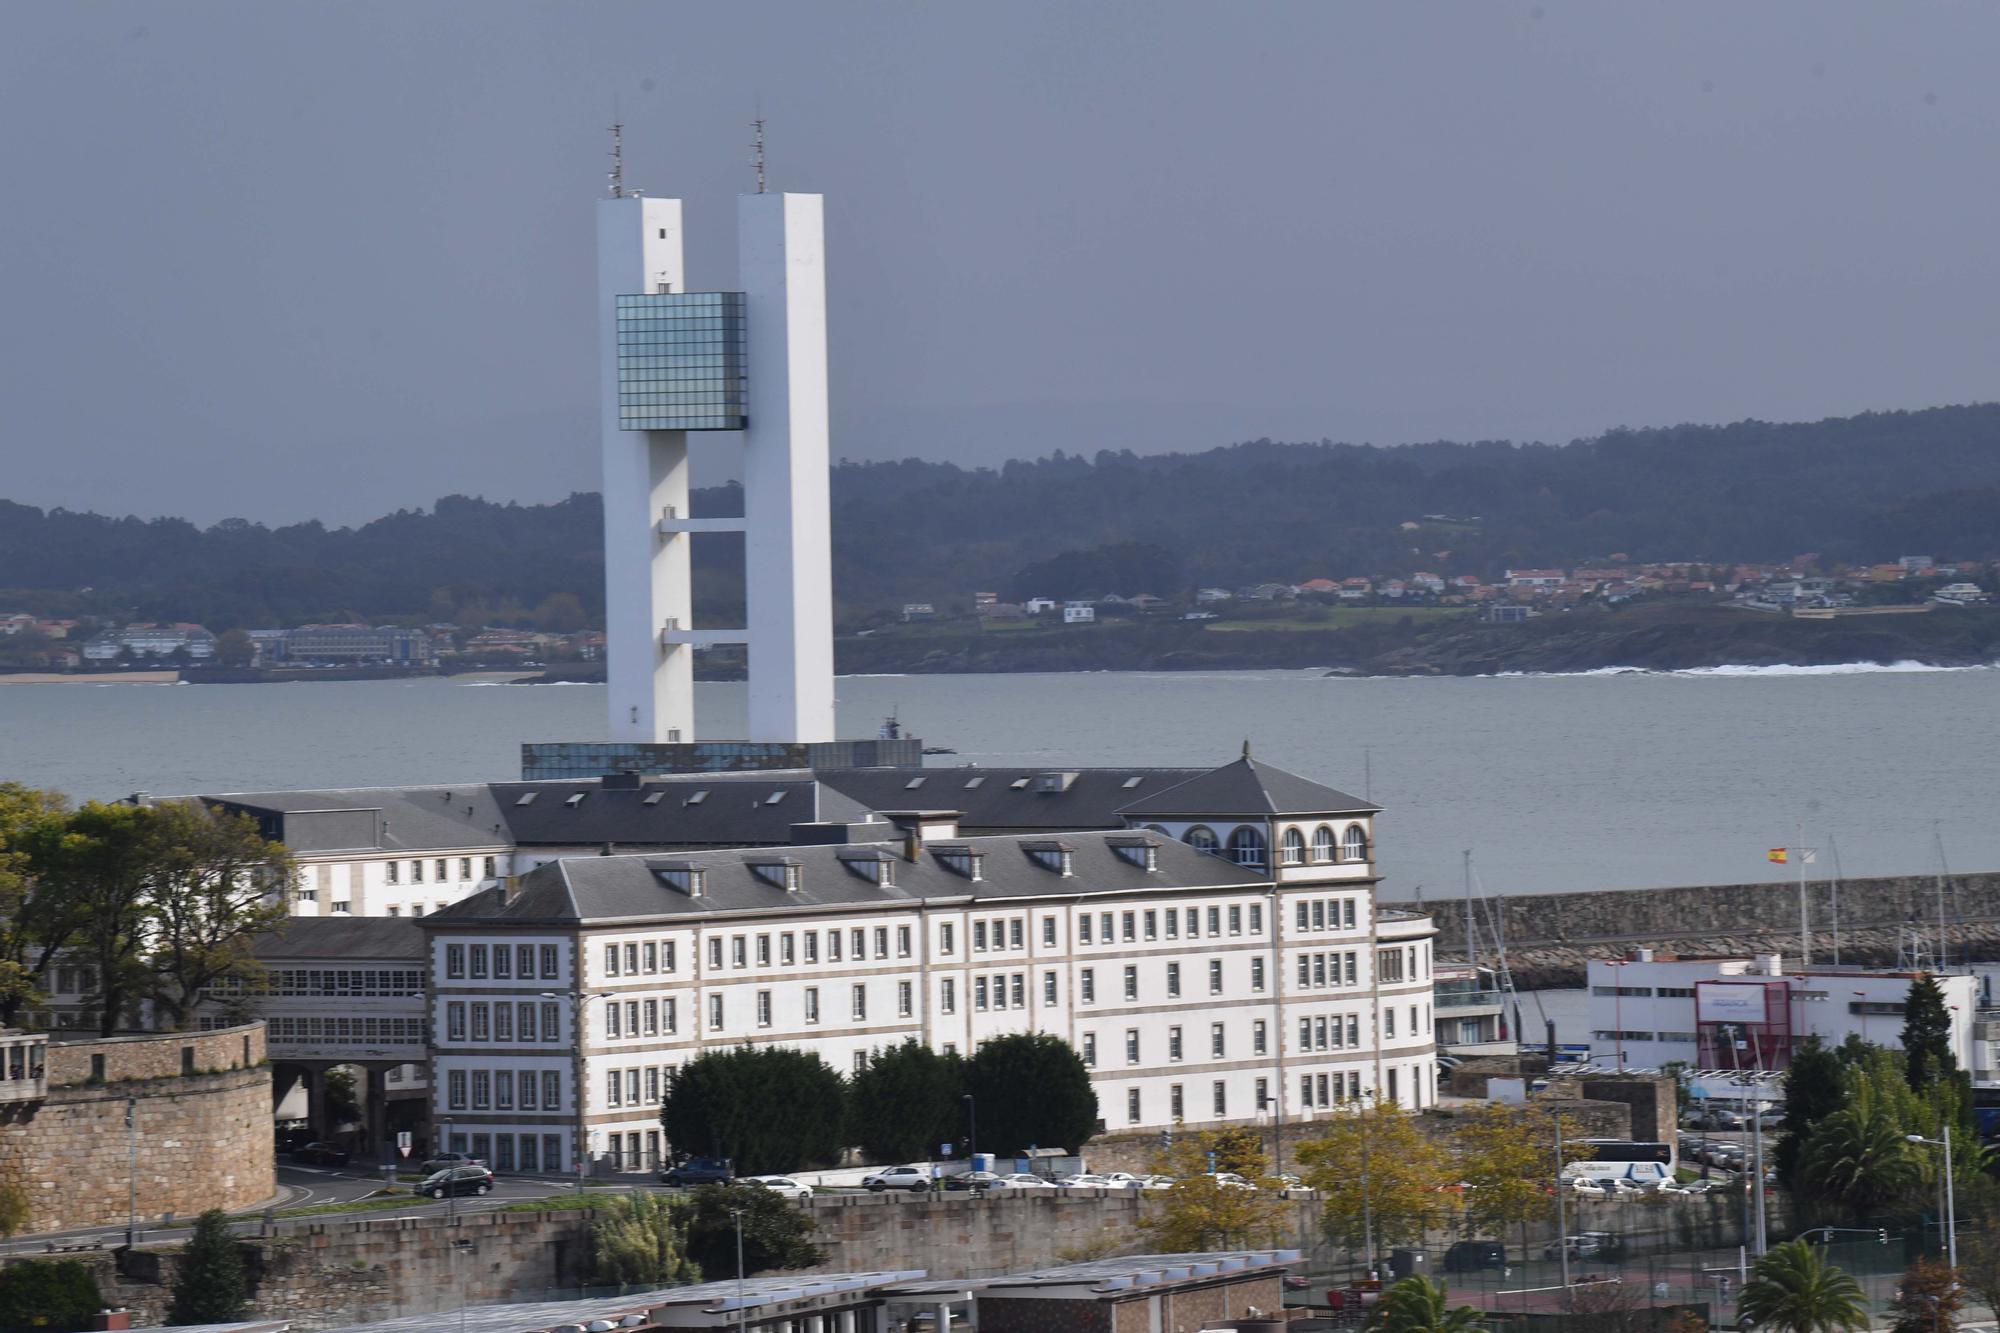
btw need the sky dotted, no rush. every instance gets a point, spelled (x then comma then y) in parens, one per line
(285, 261)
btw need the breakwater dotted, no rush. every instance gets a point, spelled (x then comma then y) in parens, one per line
(1550, 936)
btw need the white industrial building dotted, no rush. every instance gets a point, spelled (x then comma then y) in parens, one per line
(1651, 1009)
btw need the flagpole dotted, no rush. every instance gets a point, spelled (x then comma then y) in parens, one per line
(1805, 914)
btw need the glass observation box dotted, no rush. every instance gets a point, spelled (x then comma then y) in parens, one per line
(680, 362)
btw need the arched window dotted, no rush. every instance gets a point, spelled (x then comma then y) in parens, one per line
(1160, 829)
(1202, 838)
(1246, 847)
(1324, 847)
(1293, 848)
(1355, 846)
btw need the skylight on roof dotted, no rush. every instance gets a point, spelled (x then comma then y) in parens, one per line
(1134, 780)
(775, 797)
(697, 798)
(526, 798)
(575, 800)
(913, 784)
(654, 797)
(1018, 783)
(970, 783)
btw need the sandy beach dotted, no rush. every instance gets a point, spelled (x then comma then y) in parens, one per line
(167, 677)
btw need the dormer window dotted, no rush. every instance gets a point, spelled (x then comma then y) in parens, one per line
(963, 861)
(779, 874)
(1056, 856)
(877, 867)
(691, 880)
(1141, 852)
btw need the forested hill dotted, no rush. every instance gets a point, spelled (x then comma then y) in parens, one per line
(1854, 489)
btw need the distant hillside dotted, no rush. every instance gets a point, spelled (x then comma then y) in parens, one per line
(1854, 489)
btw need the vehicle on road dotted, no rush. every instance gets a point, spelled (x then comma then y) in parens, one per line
(444, 1161)
(1125, 1180)
(783, 1186)
(1467, 1256)
(971, 1180)
(1023, 1180)
(699, 1171)
(1585, 1245)
(1085, 1180)
(1230, 1180)
(913, 1178)
(322, 1154)
(472, 1179)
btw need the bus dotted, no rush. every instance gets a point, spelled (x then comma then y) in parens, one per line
(1622, 1150)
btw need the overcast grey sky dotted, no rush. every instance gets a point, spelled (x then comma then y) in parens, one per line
(286, 261)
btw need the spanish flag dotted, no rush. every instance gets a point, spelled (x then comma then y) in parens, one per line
(1780, 855)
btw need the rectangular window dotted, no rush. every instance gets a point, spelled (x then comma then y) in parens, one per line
(482, 1090)
(1305, 970)
(528, 1081)
(552, 1090)
(1263, 1093)
(812, 946)
(1104, 927)
(488, 865)
(503, 1090)
(1259, 1037)
(551, 1023)
(979, 937)
(1319, 914)
(1215, 976)
(652, 1085)
(1389, 965)
(1173, 981)
(1319, 969)
(1014, 933)
(455, 1089)
(881, 942)
(1257, 974)
(1214, 921)
(902, 941)
(614, 1088)
(1020, 990)
(1048, 932)
(479, 952)
(763, 1008)
(739, 950)
(979, 994)
(1131, 1046)
(812, 1004)
(652, 1018)
(1152, 925)
(503, 963)
(669, 1016)
(1304, 915)
(1173, 1043)
(613, 1029)
(1305, 1034)
(416, 872)
(524, 1017)
(1131, 983)
(549, 960)
(857, 938)
(524, 961)
(503, 1022)
(1221, 1099)
(443, 868)
(1306, 1089)
(610, 960)
(1090, 1050)
(714, 1012)
(454, 960)
(1130, 923)
(1087, 985)
(860, 1005)
(1216, 1043)
(1318, 1034)
(1175, 1102)
(833, 946)
(391, 873)
(947, 996)
(1354, 1031)
(1388, 1022)
(632, 959)
(632, 1096)
(905, 999)
(454, 1021)
(1173, 924)
(1235, 919)
(1132, 1106)
(1256, 918)
(763, 951)
(715, 953)
(1083, 929)
(945, 934)
(1048, 988)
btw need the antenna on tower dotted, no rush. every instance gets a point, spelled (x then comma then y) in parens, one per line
(617, 172)
(757, 150)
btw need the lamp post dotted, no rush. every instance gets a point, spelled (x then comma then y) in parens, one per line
(132, 1172)
(1757, 1166)
(1950, 1196)
(1618, 1010)
(972, 1128)
(1562, 1212)
(578, 1000)
(741, 1312)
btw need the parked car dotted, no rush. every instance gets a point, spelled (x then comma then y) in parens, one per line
(473, 1179)
(1158, 1183)
(699, 1171)
(970, 1180)
(1085, 1181)
(783, 1186)
(912, 1178)
(322, 1154)
(1297, 1282)
(1023, 1180)
(1125, 1180)
(1468, 1256)
(444, 1161)
(1230, 1180)
(1584, 1245)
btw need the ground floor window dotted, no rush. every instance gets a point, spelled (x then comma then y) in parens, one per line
(530, 1159)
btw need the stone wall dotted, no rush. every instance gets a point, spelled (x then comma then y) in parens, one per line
(1549, 936)
(201, 1104)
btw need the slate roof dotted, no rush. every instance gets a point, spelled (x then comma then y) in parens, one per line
(414, 819)
(1246, 788)
(343, 937)
(1010, 800)
(624, 888)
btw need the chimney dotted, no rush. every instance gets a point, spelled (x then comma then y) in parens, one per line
(913, 824)
(510, 888)
(120, 1318)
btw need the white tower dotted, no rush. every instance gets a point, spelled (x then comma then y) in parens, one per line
(754, 361)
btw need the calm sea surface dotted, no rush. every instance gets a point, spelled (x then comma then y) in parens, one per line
(1554, 782)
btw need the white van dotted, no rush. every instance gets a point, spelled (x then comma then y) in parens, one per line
(1646, 1175)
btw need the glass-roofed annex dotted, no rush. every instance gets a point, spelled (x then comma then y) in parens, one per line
(680, 362)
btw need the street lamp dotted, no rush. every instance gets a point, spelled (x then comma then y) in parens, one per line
(741, 1312)
(579, 999)
(972, 1127)
(1950, 1196)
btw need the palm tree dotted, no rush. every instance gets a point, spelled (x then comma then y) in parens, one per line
(1795, 1291)
(1416, 1305)
(1859, 1156)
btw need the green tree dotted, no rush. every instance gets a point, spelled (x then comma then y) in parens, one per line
(1507, 1159)
(101, 866)
(46, 1296)
(1202, 1213)
(209, 1283)
(1860, 1157)
(768, 1109)
(36, 918)
(1926, 1034)
(775, 1234)
(1928, 1299)
(1417, 1305)
(560, 613)
(16, 1210)
(1031, 1090)
(1794, 1290)
(905, 1102)
(235, 648)
(1814, 1090)
(640, 1239)
(1380, 1179)
(213, 884)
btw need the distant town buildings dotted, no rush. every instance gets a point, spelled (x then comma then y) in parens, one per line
(144, 641)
